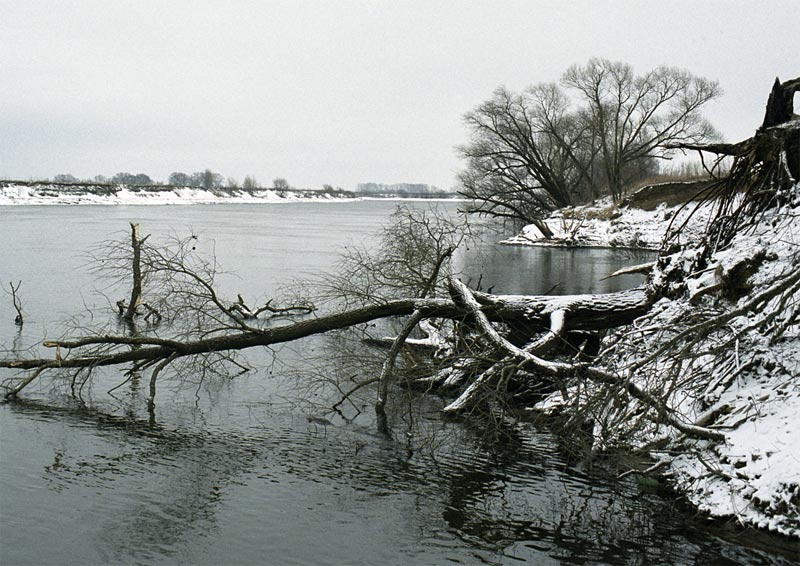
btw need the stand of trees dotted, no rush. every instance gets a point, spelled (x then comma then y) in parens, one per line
(121, 178)
(601, 128)
(206, 179)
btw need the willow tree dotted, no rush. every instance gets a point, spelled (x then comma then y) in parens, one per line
(553, 145)
(635, 117)
(522, 157)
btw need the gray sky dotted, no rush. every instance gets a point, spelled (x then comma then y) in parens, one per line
(336, 92)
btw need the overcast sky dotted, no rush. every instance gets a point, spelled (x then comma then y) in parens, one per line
(336, 92)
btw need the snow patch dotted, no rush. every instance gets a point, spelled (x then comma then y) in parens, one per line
(604, 225)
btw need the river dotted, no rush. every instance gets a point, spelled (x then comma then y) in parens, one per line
(234, 472)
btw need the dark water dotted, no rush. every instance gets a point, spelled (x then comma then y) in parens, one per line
(235, 473)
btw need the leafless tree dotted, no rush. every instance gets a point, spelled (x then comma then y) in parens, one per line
(250, 183)
(543, 149)
(633, 117)
(19, 320)
(210, 180)
(179, 179)
(412, 258)
(516, 168)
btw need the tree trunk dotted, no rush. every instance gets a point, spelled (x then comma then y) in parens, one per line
(529, 312)
(542, 226)
(136, 272)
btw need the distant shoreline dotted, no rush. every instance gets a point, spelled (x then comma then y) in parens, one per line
(35, 193)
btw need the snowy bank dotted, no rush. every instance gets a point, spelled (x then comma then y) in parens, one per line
(605, 225)
(752, 393)
(12, 193)
(722, 348)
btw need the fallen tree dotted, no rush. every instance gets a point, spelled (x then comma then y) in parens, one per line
(721, 344)
(177, 281)
(585, 312)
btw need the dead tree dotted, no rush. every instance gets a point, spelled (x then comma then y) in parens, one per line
(19, 320)
(136, 271)
(764, 172)
(182, 285)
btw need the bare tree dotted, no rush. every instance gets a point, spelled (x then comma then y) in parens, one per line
(515, 167)
(542, 149)
(210, 180)
(19, 320)
(412, 259)
(633, 117)
(124, 178)
(179, 179)
(250, 183)
(280, 184)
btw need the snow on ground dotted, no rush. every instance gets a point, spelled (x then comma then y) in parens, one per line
(754, 475)
(52, 194)
(742, 378)
(605, 225)
(19, 194)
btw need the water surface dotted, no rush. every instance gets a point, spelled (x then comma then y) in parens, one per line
(233, 472)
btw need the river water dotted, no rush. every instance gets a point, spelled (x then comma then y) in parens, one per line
(234, 472)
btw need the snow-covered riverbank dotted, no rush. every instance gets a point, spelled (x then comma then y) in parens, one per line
(605, 225)
(722, 348)
(39, 193)
(59, 194)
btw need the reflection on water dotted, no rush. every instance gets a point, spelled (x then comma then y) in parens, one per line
(550, 270)
(234, 472)
(324, 495)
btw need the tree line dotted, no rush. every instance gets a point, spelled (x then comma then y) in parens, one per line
(595, 132)
(206, 179)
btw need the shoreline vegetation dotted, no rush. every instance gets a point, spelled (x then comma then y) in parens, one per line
(639, 222)
(16, 193)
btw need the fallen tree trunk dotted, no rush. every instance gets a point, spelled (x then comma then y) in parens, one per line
(561, 313)
(587, 312)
